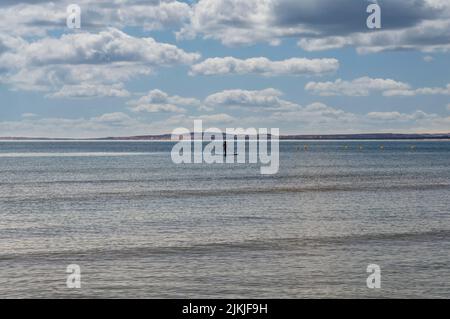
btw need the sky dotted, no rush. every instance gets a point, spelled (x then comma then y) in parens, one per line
(138, 67)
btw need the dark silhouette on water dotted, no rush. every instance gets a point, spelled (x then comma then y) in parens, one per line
(224, 148)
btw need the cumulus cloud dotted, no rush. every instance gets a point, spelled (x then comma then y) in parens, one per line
(363, 86)
(109, 46)
(315, 114)
(90, 91)
(231, 22)
(268, 99)
(116, 118)
(154, 16)
(85, 63)
(157, 101)
(264, 66)
(402, 117)
(38, 18)
(428, 36)
(32, 18)
(420, 91)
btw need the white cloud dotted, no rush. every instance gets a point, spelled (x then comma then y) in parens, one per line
(268, 98)
(109, 46)
(25, 19)
(159, 15)
(38, 19)
(157, 101)
(264, 66)
(109, 124)
(28, 115)
(315, 118)
(365, 86)
(215, 118)
(323, 24)
(90, 91)
(319, 25)
(429, 36)
(85, 63)
(117, 118)
(232, 22)
(415, 122)
(420, 91)
(54, 77)
(59, 127)
(158, 108)
(315, 114)
(358, 87)
(208, 119)
(401, 117)
(428, 58)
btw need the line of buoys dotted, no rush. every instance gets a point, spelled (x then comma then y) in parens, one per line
(346, 147)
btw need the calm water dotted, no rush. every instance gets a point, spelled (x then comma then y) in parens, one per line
(140, 226)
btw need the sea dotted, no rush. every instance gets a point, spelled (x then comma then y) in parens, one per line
(139, 226)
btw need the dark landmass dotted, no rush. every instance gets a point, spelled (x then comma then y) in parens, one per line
(167, 137)
(375, 136)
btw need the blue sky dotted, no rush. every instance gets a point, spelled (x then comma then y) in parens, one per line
(147, 67)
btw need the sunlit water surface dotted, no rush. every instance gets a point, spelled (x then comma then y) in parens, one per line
(140, 226)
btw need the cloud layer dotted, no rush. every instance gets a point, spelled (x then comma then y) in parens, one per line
(318, 25)
(39, 54)
(323, 24)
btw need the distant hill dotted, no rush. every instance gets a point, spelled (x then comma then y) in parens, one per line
(375, 136)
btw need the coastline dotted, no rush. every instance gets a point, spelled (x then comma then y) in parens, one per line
(329, 137)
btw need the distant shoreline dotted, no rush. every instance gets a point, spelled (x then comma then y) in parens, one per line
(310, 137)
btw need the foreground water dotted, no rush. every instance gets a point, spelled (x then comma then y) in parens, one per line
(140, 226)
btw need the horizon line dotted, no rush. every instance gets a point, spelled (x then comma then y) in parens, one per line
(166, 137)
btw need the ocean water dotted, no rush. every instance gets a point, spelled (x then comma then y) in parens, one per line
(140, 226)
